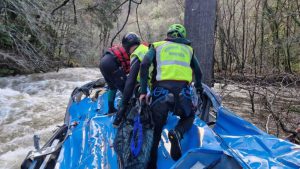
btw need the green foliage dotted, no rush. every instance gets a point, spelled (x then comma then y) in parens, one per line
(6, 72)
(101, 14)
(5, 40)
(296, 66)
(37, 41)
(294, 109)
(265, 40)
(154, 18)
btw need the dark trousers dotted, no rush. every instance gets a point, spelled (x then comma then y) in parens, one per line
(113, 74)
(175, 97)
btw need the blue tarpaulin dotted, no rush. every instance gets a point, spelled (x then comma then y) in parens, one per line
(231, 143)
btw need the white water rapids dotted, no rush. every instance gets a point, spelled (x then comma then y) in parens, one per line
(34, 104)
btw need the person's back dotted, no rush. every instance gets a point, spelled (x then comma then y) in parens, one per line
(174, 63)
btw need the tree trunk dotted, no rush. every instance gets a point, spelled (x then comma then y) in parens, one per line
(257, 4)
(287, 65)
(200, 23)
(262, 34)
(244, 35)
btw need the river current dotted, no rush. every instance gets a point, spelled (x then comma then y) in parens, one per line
(34, 104)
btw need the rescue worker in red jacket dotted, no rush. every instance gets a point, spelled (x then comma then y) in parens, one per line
(114, 66)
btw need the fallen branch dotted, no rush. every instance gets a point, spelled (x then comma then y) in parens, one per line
(294, 138)
(278, 120)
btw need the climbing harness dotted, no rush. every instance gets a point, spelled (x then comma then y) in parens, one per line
(186, 92)
(160, 91)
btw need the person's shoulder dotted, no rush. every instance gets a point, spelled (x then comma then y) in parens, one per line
(183, 41)
(108, 53)
(158, 43)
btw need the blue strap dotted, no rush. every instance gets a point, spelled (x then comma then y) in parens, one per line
(160, 91)
(187, 92)
(137, 129)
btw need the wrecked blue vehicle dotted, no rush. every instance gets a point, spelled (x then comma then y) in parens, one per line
(219, 139)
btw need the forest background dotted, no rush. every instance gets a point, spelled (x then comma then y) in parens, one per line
(257, 43)
(258, 37)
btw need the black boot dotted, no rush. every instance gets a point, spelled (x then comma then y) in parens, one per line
(111, 109)
(175, 137)
(117, 121)
(111, 112)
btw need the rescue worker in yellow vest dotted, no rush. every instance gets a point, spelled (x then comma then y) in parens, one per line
(132, 44)
(174, 64)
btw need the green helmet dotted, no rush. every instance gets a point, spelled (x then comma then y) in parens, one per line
(176, 31)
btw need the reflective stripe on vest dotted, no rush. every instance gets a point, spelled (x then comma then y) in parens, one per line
(173, 61)
(139, 53)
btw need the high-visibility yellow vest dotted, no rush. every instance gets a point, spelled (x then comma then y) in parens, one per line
(173, 61)
(139, 53)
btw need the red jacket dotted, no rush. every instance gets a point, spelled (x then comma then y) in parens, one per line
(122, 57)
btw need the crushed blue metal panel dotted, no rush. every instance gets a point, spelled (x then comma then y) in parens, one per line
(232, 142)
(253, 146)
(90, 144)
(229, 123)
(206, 158)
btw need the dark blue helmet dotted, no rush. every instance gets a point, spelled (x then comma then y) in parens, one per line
(129, 40)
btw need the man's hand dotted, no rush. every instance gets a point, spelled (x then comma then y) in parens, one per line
(142, 97)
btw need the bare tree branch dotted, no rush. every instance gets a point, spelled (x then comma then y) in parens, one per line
(60, 6)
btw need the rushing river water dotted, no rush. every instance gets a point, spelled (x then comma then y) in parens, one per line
(34, 104)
